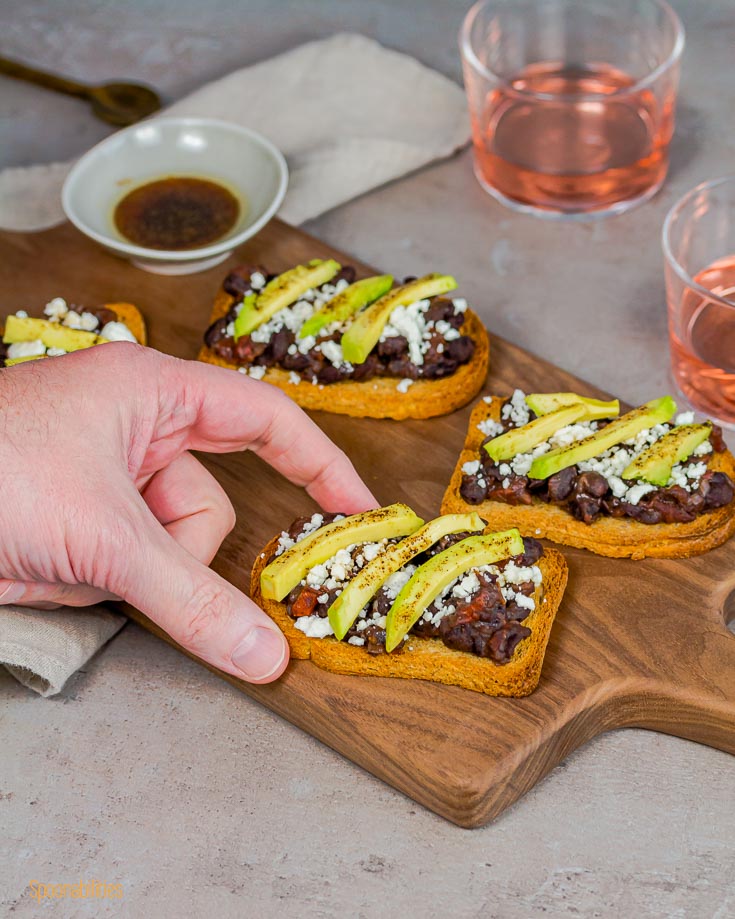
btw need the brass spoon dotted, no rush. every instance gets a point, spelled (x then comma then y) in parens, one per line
(116, 103)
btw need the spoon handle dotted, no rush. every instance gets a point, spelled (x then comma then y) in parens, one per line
(41, 78)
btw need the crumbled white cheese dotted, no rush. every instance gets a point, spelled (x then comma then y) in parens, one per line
(571, 433)
(56, 309)
(524, 602)
(471, 467)
(285, 541)
(332, 350)
(466, 585)
(257, 280)
(515, 409)
(684, 418)
(117, 331)
(634, 494)
(230, 329)
(520, 574)
(87, 322)
(398, 580)
(294, 378)
(490, 428)
(21, 314)
(370, 551)
(409, 322)
(404, 384)
(257, 373)
(703, 449)
(26, 348)
(460, 304)
(355, 640)
(55, 352)
(314, 626)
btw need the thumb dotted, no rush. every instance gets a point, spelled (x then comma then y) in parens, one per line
(200, 610)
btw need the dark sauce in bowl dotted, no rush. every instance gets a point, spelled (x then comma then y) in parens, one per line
(178, 212)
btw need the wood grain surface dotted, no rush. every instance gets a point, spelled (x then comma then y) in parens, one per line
(635, 643)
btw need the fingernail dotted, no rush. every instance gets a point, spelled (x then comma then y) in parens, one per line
(260, 654)
(13, 592)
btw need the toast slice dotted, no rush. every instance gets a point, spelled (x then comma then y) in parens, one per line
(378, 397)
(618, 537)
(127, 313)
(430, 658)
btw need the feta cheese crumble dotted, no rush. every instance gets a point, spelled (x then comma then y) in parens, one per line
(116, 331)
(26, 349)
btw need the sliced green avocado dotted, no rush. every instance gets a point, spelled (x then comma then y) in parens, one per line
(244, 317)
(654, 464)
(544, 402)
(524, 439)
(283, 291)
(367, 327)
(52, 334)
(286, 570)
(12, 361)
(657, 411)
(349, 301)
(431, 578)
(363, 587)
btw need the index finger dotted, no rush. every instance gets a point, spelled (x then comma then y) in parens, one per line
(202, 407)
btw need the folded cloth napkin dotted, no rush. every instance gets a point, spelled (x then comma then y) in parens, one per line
(43, 648)
(349, 115)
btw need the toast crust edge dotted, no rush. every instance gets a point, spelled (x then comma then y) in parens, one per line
(610, 536)
(378, 397)
(429, 658)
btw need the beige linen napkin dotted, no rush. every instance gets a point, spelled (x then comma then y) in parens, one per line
(349, 115)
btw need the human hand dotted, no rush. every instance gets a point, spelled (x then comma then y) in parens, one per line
(100, 498)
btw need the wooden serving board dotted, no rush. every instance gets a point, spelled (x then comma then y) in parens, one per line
(640, 644)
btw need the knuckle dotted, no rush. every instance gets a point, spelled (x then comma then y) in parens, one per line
(205, 613)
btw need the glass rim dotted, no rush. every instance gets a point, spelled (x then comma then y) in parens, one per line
(673, 261)
(468, 53)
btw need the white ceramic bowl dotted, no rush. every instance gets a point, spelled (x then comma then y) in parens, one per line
(198, 147)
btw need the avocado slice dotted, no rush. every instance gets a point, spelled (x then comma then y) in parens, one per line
(654, 464)
(244, 317)
(286, 570)
(52, 334)
(365, 584)
(349, 301)
(12, 361)
(657, 411)
(367, 327)
(541, 403)
(430, 579)
(524, 439)
(282, 291)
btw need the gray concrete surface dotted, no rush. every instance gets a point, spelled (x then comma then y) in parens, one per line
(150, 772)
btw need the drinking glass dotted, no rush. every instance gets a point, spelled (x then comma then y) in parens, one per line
(571, 101)
(699, 259)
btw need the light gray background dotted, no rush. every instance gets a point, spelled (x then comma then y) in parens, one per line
(152, 773)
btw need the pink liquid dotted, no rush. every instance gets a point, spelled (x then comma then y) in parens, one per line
(703, 343)
(572, 154)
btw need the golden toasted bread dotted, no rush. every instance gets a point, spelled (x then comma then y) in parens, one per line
(618, 537)
(378, 397)
(430, 658)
